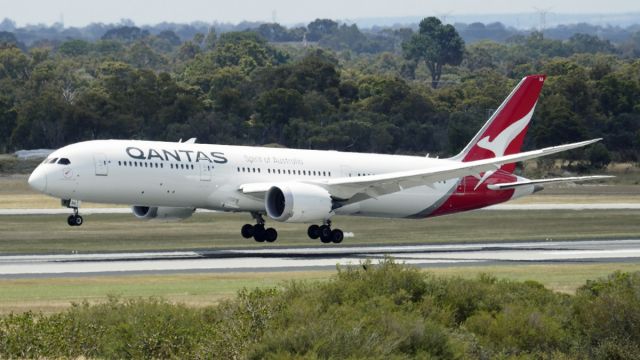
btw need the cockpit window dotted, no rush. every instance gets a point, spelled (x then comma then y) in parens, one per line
(64, 161)
(53, 161)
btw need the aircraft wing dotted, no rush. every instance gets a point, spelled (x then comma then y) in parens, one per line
(372, 186)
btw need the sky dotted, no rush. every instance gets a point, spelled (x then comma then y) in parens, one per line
(83, 12)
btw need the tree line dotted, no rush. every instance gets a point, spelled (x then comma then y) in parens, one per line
(240, 88)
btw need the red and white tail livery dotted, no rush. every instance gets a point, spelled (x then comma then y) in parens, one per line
(164, 180)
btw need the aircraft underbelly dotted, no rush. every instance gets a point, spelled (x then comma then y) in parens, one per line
(401, 204)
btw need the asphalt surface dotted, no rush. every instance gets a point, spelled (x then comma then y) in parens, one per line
(318, 257)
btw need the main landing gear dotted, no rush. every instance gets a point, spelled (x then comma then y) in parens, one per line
(325, 233)
(75, 219)
(258, 231)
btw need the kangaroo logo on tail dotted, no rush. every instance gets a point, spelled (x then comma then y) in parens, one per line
(503, 134)
(498, 145)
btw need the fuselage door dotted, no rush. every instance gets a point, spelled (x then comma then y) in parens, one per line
(100, 160)
(205, 171)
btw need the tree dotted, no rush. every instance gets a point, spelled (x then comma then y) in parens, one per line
(7, 39)
(437, 45)
(210, 40)
(321, 27)
(125, 33)
(275, 108)
(170, 37)
(73, 48)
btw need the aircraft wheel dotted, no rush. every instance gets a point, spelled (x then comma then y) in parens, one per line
(247, 231)
(259, 233)
(75, 220)
(313, 232)
(337, 236)
(325, 234)
(270, 235)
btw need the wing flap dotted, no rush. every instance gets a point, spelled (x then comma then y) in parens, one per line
(516, 184)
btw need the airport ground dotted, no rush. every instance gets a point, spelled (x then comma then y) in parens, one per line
(47, 234)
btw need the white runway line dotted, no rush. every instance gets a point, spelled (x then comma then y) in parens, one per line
(314, 257)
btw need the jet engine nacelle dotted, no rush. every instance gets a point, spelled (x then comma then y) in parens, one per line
(298, 202)
(162, 213)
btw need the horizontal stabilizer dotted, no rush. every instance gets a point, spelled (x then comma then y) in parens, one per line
(516, 184)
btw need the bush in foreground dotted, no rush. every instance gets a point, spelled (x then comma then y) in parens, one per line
(385, 311)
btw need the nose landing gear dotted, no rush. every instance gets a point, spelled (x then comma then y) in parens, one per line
(325, 233)
(75, 219)
(258, 231)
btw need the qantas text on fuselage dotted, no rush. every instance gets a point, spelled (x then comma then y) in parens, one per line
(170, 180)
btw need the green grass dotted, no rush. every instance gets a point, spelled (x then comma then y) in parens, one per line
(55, 294)
(122, 232)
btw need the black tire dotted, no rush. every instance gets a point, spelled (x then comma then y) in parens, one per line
(258, 233)
(247, 231)
(313, 232)
(337, 236)
(71, 221)
(325, 234)
(78, 220)
(270, 235)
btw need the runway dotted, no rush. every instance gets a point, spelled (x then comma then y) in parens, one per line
(312, 258)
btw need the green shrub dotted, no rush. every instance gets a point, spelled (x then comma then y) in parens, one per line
(607, 313)
(382, 311)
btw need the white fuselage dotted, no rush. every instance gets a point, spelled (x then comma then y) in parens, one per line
(150, 173)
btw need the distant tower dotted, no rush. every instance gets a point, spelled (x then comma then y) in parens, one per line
(62, 20)
(443, 16)
(274, 16)
(542, 14)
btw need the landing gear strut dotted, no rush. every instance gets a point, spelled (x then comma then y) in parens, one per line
(325, 233)
(75, 219)
(258, 231)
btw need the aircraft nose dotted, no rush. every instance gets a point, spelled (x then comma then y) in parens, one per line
(38, 180)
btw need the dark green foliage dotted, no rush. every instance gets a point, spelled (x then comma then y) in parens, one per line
(607, 316)
(240, 87)
(437, 45)
(378, 311)
(125, 33)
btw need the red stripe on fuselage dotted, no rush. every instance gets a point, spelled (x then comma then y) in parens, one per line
(467, 197)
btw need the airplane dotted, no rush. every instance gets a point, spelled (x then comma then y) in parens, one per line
(168, 180)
